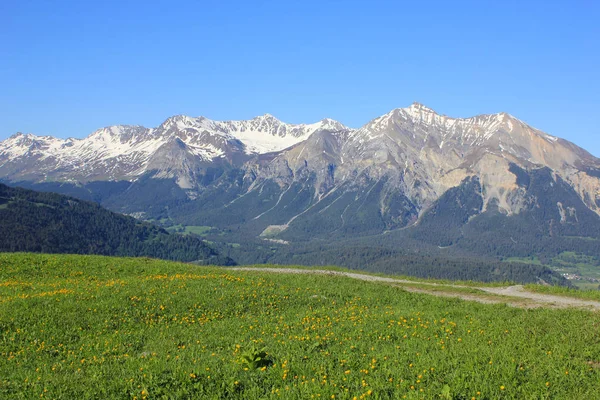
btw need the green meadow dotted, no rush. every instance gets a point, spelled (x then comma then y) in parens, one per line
(83, 327)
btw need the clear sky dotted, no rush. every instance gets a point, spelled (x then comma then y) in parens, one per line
(70, 67)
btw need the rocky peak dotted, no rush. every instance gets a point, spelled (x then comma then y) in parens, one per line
(416, 108)
(266, 117)
(119, 134)
(17, 135)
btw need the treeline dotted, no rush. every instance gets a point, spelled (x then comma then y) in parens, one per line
(51, 223)
(392, 261)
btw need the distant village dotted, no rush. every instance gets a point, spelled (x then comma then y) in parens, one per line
(575, 277)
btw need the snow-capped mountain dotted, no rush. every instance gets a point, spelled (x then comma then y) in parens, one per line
(176, 148)
(439, 152)
(421, 154)
(399, 164)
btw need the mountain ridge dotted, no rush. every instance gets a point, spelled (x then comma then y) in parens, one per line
(423, 152)
(124, 150)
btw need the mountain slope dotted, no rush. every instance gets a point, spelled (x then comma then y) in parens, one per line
(441, 152)
(178, 148)
(422, 155)
(51, 223)
(389, 173)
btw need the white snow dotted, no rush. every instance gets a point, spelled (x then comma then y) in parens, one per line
(129, 148)
(262, 142)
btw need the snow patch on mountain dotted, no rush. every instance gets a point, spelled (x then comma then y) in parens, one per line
(124, 152)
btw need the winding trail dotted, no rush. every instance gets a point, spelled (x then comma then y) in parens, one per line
(515, 296)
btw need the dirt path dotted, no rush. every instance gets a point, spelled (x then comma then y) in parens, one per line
(515, 296)
(555, 301)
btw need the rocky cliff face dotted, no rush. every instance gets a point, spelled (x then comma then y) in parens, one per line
(421, 154)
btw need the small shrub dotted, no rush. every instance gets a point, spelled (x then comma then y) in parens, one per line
(254, 358)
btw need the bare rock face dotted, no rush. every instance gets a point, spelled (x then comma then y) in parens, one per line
(422, 154)
(443, 151)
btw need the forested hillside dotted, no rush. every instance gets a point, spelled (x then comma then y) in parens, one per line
(51, 223)
(364, 255)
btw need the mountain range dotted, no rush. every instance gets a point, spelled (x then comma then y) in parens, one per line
(178, 148)
(486, 186)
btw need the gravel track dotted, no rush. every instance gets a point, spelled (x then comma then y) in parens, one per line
(515, 296)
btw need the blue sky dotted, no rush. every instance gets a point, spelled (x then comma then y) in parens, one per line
(70, 67)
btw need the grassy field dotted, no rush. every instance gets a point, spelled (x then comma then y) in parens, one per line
(567, 292)
(77, 327)
(417, 280)
(196, 230)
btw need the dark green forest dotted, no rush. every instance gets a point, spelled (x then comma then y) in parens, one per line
(422, 262)
(52, 223)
